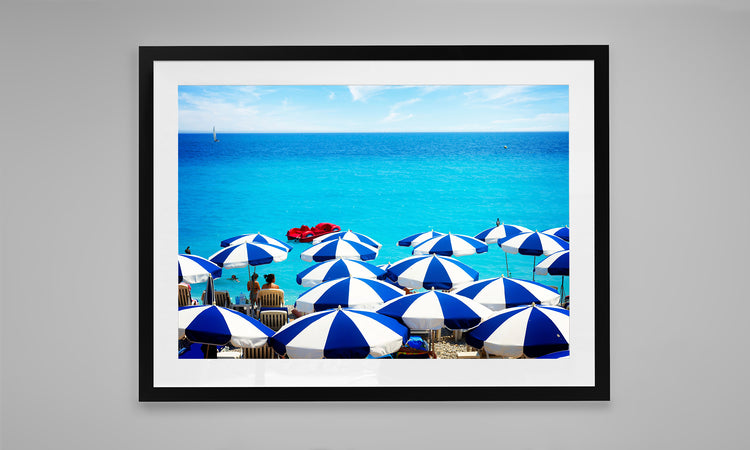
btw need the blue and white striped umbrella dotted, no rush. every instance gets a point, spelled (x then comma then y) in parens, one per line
(564, 354)
(431, 272)
(338, 268)
(500, 232)
(450, 245)
(347, 293)
(246, 254)
(416, 239)
(215, 325)
(340, 333)
(348, 236)
(502, 293)
(561, 232)
(255, 238)
(434, 310)
(339, 248)
(534, 243)
(194, 269)
(529, 331)
(557, 263)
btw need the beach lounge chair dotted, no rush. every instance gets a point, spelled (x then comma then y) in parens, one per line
(271, 299)
(222, 298)
(264, 352)
(183, 296)
(274, 319)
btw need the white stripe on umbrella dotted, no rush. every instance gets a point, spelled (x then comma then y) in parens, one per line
(434, 310)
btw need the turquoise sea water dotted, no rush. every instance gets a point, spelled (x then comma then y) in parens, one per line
(384, 185)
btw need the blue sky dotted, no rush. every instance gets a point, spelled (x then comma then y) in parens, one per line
(265, 109)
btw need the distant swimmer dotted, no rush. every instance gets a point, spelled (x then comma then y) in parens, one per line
(505, 146)
(497, 222)
(234, 278)
(187, 250)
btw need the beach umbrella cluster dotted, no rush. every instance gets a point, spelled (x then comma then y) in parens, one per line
(353, 312)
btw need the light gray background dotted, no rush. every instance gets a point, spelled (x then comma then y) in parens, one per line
(69, 214)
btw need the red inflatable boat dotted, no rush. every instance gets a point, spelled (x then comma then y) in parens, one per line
(307, 234)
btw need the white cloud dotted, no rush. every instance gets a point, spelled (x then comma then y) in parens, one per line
(362, 93)
(507, 94)
(395, 115)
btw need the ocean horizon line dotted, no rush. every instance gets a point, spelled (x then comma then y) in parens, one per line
(367, 132)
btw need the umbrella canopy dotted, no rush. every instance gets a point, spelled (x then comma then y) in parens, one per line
(557, 263)
(340, 333)
(348, 236)
(434, 310)
(534, 243)
(245, 254)
(450, 245)
(255, 238)
(529, 331)
(339, 248)
(561, 232)
(500, 232)
(194, 269)
(416, 239)
(431, 272)
(215, 325)
(338, 268)
(556, 355)
(347, 293)
(502, 293)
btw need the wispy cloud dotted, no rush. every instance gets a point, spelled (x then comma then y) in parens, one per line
(395, 115)
(507, 94)
(362, 93)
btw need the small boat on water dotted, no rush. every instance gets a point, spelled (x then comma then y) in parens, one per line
(307, 234)
(215, 140)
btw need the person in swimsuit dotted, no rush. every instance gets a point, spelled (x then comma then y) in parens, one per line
(270, 282)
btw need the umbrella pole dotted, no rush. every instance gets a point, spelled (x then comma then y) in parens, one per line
(533, 274)
(562, 290)
(507, 270)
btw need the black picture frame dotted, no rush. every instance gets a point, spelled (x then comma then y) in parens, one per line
(597, 54)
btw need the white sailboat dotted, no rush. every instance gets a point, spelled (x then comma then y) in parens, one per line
(215, 140)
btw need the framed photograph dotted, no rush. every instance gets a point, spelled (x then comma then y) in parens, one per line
(383, 223)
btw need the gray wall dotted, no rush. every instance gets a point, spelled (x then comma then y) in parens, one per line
(69, 214)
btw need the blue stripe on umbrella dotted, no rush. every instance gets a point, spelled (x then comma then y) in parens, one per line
(417, 311)
(562, 232)
(557, 263)
(556, 355)
(345, 340)
(347, 292)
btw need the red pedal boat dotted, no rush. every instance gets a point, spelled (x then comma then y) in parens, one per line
(307, 234)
